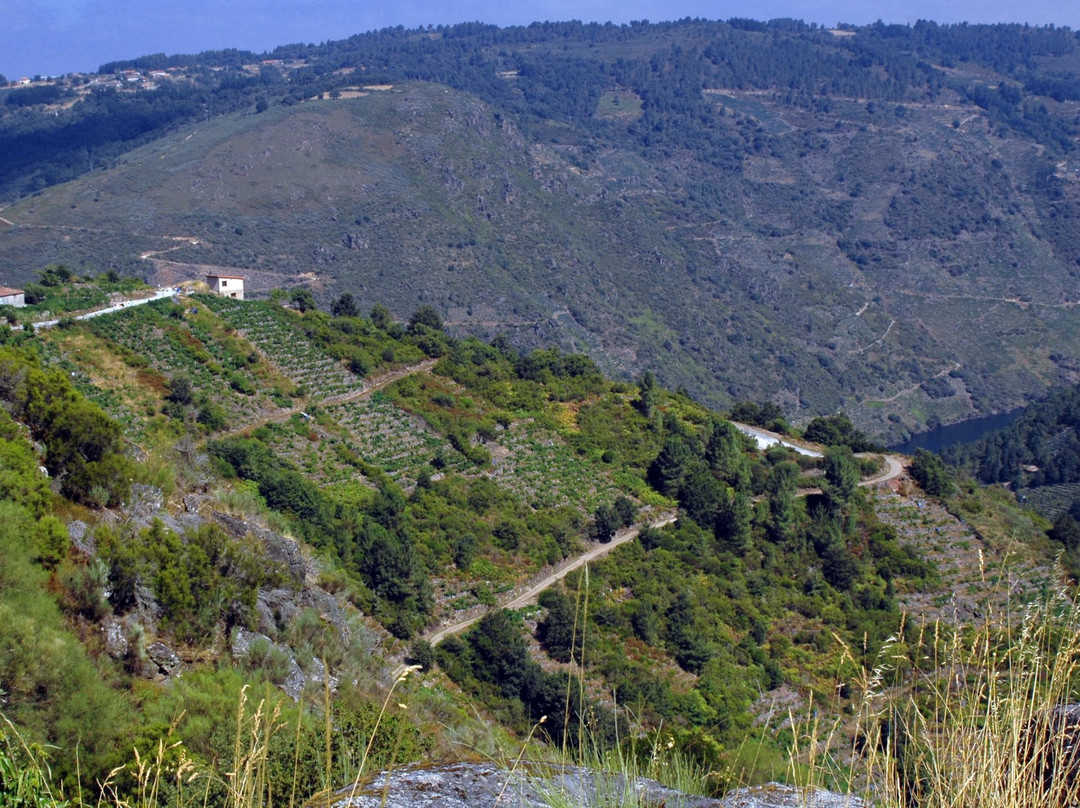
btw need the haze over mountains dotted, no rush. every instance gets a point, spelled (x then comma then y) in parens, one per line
(882, 220)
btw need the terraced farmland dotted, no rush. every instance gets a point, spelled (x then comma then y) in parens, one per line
(265, 325)
(1050, 500)
(392, 439)
(174, 348)
(537, 465)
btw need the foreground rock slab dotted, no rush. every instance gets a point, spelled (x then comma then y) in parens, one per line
(537, 785)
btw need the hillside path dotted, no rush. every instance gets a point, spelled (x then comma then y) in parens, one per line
(894, 467)
(375, 383)
(530, 595)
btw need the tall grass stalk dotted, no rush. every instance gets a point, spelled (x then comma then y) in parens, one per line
(327, 796)
(609, 771)
(964, 716)
(248, 784)
(25, 777)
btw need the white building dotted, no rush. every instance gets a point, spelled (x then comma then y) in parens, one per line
(12, 297)
(226, 285)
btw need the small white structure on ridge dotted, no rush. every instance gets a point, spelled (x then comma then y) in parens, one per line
(226, 285)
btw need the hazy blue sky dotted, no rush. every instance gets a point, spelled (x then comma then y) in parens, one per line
(61, 36)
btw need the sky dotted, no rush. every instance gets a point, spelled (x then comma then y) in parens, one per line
(53, 37)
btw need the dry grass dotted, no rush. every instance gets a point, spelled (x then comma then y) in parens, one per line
(959, 716)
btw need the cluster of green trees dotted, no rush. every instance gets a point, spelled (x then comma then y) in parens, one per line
(52, 687)
(493, 662)
(748, 551)
(371, 543)
(203, 581)
(368, 343)
(882, 63)
(84, 449)
(1046, 436)
(837, 430)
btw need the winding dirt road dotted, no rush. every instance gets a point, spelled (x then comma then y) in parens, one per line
(533, 592)
(894, 467)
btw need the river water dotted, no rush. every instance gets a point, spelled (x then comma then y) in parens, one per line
(963, 432)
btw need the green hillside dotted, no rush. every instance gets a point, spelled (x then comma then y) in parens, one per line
(824, 219)
(242, 494)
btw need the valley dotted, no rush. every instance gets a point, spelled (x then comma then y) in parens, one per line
(517, 398)
(690, 219)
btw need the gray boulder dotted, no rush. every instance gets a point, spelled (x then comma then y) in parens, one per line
(279, 548)
(540, 785)
(277, 608)
(112, 633)
(775, 795)
(144, 503)
(166, 660)
(81, 539)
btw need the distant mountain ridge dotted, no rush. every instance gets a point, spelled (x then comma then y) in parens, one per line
(884, 220)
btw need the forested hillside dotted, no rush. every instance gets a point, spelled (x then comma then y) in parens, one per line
(1037, 456)
(213, 503)
(693, 198)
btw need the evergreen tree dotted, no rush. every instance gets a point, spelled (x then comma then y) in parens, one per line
(931, 474)
(783, 482)
(345, 306)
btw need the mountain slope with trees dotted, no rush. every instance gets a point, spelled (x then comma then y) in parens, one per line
(304, 493)
(694, 198)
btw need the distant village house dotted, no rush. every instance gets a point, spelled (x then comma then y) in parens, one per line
(226, 285)
(12, 297)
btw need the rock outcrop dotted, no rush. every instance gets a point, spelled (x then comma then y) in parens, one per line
(536, 785)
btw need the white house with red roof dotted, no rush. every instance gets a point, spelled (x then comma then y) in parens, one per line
(12, 297)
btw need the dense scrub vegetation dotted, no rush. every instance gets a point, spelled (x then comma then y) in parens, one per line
(776, 567)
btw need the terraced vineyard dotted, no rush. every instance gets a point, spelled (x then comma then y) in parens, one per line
(323, 454)
(976, 572)
(115, 392)
(177, 347)
(399, 443)
(1050, 500)
(310, 369)
(538, 465)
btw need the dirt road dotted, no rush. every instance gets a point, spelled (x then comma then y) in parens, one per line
(533, 592)
(894, 467)
(372, 384)
(530, 595)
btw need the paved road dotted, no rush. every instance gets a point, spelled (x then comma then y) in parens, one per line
(765, 439)
(124, 304)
